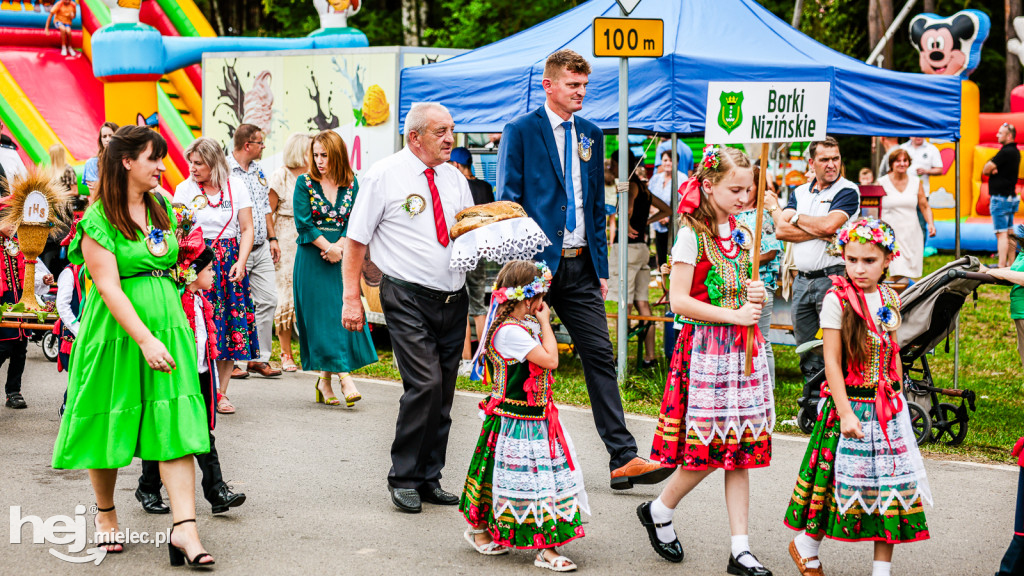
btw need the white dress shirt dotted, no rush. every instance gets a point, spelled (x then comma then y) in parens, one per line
(222, 217)
(65, 292)
(405, 246)
(578, 237)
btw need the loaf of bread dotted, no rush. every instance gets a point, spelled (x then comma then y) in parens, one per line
(476, 216)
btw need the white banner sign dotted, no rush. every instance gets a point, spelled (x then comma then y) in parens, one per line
(747, 112)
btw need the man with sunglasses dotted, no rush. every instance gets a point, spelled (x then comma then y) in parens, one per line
(244, 163)
(1003, 202)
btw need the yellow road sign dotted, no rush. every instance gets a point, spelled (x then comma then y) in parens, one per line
(629, 37)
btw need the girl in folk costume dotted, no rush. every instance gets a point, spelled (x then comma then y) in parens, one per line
(71, 289)
(524, 489)
(712, 415)
(862, 478)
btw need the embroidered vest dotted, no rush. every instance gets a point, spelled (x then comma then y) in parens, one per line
(719, 274)
(520, 390)
(862, 382)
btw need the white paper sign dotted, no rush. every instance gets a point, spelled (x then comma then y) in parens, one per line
(747, 112)
(36, 210)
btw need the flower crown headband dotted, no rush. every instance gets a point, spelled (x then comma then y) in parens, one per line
(712, 157)
(869, 231)
(689, 191)
(539, 285)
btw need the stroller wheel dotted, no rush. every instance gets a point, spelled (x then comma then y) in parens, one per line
(954, 420)
(51, 346)
(806, 418)
(920, 422)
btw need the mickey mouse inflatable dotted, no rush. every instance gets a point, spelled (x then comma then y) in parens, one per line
(949, 46)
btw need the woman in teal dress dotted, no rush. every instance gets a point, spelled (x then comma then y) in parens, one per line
(132, 384)
(322, 203)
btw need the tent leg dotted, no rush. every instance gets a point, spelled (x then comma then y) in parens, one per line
(956, 325)
(622, 325)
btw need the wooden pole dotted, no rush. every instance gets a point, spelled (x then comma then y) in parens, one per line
(755, 254)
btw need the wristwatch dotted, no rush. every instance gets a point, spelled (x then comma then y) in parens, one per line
(794, 219)
(272, 239)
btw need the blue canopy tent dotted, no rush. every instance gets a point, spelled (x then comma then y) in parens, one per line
(705, 40)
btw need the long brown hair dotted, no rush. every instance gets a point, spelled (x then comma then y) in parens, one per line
(515, 273)
(99, 137)
(338, 168)
(129, 142)
(854, 329)
(704, 220)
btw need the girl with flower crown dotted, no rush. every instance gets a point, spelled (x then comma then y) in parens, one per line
(524, 488)
(862, 477)
(712, 414)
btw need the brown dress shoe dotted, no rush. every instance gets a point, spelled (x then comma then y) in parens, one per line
(639, 471)
(237, 373)
(801, 563)
(263, 369)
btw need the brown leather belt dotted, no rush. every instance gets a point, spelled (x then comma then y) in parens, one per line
(572, 252)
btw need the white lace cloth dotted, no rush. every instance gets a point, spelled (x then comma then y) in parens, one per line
(864, 467)
(501, 242)
(720, 398)
(528, 481)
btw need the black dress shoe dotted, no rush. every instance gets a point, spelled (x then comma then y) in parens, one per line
(151, 503)
(673, 551)
(225, 499)
(406, 499)
(437, 496)
(740, 570)
(16, 401)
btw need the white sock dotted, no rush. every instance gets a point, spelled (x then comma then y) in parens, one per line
(807, 547)
(741, 544)
(879, 568)
(662, 514)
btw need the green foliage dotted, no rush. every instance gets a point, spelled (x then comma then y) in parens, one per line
(474, 23)
(838, 24)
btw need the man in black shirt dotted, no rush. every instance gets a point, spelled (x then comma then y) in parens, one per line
(1002, 172)
(476, 280)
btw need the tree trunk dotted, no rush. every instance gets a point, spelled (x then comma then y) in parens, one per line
(215, 8)
(875, 31)
(1012, 8)
(798, 10)
(929, 6)
(886, 15)
(411, 24)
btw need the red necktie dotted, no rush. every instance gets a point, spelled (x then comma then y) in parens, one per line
(439, 223)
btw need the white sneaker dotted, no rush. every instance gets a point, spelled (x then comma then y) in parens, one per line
(465, 368)
(63, 51)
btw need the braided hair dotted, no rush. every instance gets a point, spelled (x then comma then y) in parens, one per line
(515, 273)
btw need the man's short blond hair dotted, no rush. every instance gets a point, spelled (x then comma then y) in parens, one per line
(565, 60)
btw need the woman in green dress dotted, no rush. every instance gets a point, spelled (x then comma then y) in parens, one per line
(132, 385)
(322, 203)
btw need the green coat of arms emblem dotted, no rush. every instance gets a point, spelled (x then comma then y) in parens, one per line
(731, 114)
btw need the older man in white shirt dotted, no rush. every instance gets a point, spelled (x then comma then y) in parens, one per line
(403, 213)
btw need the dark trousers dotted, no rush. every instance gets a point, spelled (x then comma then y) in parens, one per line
(661, 247)
(1013, 560)
(575, 296)
(13, 349)
(209, 464)
(808, 296)
(427, 337)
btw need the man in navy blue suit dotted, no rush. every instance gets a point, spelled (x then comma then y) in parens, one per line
(552, 163)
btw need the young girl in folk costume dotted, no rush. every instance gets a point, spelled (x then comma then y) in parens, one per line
(712, 415)
(71, 290)
(524, 489)
(862, 478)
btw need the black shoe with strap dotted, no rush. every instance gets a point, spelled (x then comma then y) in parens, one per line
(225, 498)
(671, 551)
(738, 569)
(177, 555)
(107, 541)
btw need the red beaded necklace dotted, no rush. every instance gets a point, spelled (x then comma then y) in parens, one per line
(202, 190)
(734, 249)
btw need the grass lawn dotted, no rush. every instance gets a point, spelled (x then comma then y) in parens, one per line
(989, 365)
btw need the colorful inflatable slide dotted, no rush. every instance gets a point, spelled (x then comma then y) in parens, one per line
(47, 99)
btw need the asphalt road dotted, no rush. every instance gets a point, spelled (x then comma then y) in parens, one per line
(315, 478)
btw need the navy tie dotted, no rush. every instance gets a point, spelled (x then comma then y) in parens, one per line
(570, 194)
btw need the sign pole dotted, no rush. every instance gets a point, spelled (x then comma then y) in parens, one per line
(755, 255)
(622, 324)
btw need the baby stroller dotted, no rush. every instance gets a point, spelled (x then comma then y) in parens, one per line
(929, 309)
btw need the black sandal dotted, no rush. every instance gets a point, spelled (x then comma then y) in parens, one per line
(671, 551)
(106, 544)
(177, 555)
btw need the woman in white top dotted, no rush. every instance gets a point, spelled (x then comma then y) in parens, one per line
(223, 210)
(661, 186)
(282, 185)
(904, 195)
